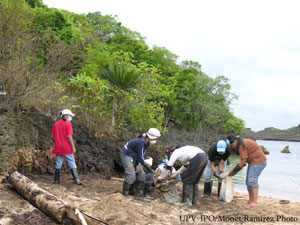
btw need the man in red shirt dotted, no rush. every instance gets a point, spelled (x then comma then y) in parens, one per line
(64, 146)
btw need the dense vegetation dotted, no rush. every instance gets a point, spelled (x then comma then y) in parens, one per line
(105, 72)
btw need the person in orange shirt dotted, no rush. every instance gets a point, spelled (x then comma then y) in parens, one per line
(251, 153)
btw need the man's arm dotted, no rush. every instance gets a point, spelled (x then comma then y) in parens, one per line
(157, 174)
(70, 139)
(242, 163)
(221, 165)
(180, 171)
(212, 165)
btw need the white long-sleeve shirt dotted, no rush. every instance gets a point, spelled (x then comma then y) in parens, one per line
(184, 155)
(162, 169)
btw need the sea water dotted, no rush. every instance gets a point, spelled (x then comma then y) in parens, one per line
(280, 178)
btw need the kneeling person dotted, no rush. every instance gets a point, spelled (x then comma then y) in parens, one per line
(166, 187)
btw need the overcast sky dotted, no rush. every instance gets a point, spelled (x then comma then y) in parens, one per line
(255, 43)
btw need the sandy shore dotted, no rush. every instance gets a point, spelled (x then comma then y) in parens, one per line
(103, 199)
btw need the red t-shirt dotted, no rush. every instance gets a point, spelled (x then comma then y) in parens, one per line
(60, 131)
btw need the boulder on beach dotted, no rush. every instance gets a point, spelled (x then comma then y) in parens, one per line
(264, 149)
(286, 149)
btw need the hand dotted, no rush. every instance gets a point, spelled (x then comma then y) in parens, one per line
(74, 150)
(161, 178)
(216, 174)
(173, 176)
(235, 170)
(137, 169)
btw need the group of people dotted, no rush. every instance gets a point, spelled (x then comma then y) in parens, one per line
(194, 162)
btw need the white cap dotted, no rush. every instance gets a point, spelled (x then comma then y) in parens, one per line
(66, 112)
(153, 133)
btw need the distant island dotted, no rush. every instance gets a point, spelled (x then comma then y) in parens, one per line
(271, 133)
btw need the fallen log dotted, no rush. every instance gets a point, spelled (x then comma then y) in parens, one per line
(116, 178)
(51, 205)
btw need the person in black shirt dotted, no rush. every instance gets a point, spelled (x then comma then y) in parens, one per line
(217, 155)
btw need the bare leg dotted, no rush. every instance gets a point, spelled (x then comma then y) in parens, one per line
(250, 197)
(253, 197)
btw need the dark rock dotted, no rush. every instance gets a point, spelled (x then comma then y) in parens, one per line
(25, 145)
(286, 150)
(264, 149)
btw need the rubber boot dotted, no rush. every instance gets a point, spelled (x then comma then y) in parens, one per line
(75, 176)
(147, 191)
(132, 189)
(219, 190)
(195, 195)
(57, 176)
(207, 189)
(140, 185)
(126, 188)
(187, 195)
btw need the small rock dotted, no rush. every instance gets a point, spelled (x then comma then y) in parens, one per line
(283, 201)
(286, 150)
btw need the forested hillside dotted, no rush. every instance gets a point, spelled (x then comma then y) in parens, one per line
(106, 73)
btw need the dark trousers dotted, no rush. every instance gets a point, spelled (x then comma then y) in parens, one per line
(195, 169)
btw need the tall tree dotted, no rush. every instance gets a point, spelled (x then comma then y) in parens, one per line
(124, 79)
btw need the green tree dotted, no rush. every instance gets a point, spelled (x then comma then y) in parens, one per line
(53, 21)
(123, 79)
(233, 125)
(35, 3)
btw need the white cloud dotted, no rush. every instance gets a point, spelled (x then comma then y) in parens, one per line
(269, 100)
(255, 43)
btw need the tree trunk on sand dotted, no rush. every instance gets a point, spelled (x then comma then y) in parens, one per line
(54, 207)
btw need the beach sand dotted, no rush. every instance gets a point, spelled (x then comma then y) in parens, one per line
(103, 199)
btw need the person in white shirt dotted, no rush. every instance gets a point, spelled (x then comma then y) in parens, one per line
(161, 168)
(165, 186)
(193, 160)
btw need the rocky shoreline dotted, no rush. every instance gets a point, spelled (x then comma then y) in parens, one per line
(273, 134)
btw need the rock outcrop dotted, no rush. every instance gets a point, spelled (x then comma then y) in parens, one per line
(25, 145)
(271, 133)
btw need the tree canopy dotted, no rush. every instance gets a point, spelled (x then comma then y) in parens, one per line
(106, 72)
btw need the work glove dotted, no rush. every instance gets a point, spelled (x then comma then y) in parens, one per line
(149, 170)
(216, 174)
(235, 170)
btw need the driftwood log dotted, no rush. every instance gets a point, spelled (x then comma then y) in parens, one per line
(51, 205)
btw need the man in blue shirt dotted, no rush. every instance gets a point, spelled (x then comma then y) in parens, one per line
(132, 157)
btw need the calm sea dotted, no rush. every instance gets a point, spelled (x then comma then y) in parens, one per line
(281, 177)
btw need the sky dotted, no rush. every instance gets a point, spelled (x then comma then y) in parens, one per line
(255, 43)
